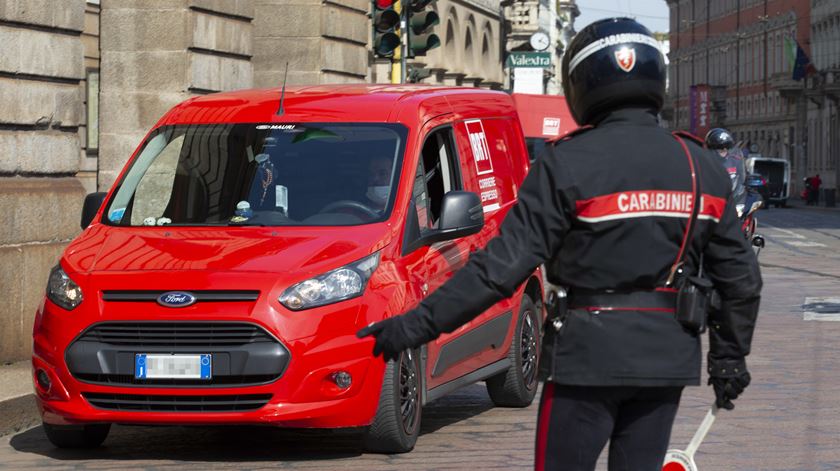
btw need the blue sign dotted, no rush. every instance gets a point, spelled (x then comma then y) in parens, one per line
(140, 366)
(206, 367)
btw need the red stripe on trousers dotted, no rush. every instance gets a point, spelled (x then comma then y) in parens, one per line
(542, 426)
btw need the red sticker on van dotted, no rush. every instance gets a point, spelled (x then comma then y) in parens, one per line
(478, 144)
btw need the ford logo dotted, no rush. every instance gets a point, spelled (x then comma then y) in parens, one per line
(176, 299)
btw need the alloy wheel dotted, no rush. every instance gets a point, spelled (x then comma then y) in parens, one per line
(529, 350)
(409, 392)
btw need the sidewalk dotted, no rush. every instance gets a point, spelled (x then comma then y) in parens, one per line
(17, 398)
(799, 203)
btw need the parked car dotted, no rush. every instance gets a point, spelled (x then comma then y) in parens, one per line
(777, 174)
(224, 276)
(543, 117)
(757, 183)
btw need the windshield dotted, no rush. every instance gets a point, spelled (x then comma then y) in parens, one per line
(262, 174)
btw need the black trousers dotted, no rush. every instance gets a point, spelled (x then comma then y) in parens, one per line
(575, 423)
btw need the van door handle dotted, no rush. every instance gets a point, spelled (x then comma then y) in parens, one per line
(425, 288)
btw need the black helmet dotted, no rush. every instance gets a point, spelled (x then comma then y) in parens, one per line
(613, 63)
(719, 138)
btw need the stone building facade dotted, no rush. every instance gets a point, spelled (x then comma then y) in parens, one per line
(41, 126)
(735, 49)
(323, 41)
(823, 94)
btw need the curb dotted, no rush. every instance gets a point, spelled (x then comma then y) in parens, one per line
(18, 413)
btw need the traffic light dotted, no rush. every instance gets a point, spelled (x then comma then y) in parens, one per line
(386, 20)
(420, 25)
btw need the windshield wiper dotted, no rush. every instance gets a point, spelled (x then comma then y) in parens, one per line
(257, 224)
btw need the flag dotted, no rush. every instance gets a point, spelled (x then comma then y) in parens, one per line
(799, 62)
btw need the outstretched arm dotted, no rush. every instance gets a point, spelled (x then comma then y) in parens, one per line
(531, 232)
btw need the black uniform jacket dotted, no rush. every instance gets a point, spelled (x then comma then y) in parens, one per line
(606, 210)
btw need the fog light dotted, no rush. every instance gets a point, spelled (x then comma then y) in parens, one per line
(43, 379)
(342, 379)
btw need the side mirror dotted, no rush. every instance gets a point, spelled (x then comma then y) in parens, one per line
(758, 241)
(461, 214)
(93, 202)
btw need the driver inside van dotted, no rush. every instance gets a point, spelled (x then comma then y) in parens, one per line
(379, 182)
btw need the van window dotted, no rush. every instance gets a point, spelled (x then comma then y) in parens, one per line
(290, 174)
(155, 187)
(420, 198)
(437, 174)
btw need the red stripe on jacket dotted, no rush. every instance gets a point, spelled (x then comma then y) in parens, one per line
(647, 203)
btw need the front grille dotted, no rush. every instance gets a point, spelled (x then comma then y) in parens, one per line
(176, 334)
(200, 295)
(191, 403)
(130, 380)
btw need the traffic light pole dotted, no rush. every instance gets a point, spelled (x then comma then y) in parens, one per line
(403, 55)
(398, 62)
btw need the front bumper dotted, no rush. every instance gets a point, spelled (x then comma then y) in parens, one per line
(304, 393)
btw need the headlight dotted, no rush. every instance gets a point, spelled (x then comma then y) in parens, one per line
(337, 285)
(62, 290)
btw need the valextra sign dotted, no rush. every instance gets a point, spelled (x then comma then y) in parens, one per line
(529, 59)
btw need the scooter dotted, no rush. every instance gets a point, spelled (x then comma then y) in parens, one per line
(749, 221)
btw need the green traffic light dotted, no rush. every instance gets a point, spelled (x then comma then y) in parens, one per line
(420, 26)
(420, 22)
(421, 43)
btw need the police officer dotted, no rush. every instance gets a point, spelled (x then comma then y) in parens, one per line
(607, 211)
(721, 141)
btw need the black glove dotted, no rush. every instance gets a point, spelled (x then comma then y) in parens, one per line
(399, 333)
(729, 378)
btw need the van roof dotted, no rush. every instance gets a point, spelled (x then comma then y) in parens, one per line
(340, 103)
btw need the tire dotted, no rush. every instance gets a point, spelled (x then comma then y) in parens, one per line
(396, 426)
(77, 436)
(517, 386)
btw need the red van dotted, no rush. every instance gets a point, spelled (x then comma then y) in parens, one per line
(543, 117)
(224, 276)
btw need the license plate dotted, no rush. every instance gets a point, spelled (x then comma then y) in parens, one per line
(156, 366)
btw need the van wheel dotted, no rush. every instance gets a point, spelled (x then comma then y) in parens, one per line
(517, 386)
(77, 436)
(397, 422)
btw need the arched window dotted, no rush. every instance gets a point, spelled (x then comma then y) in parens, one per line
(449, 46)
(469, 52)
(470, 47)
(486, 54)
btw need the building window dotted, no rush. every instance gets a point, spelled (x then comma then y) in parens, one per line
(92, 111)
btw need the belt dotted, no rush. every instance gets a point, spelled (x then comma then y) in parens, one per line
(659, 300)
